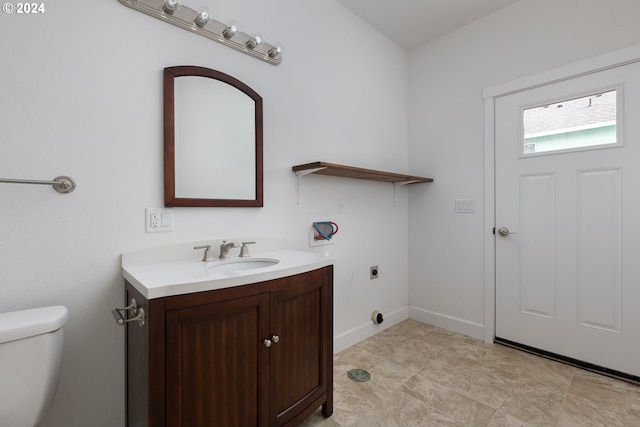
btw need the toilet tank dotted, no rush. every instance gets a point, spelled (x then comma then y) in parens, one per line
(30, 354)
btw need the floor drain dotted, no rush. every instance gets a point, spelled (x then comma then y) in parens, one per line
(359, 375)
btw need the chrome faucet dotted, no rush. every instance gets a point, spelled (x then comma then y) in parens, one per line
(224, 249)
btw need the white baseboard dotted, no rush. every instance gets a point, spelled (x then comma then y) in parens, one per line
(362, 332)
(461, 326)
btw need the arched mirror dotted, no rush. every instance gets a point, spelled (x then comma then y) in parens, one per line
(212, 139)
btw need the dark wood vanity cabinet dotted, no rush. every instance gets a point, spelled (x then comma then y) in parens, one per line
(252, 355)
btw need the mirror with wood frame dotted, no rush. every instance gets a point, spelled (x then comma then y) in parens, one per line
(212, 140)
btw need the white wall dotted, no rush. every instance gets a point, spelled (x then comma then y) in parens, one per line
(446, 134)
(81, 95)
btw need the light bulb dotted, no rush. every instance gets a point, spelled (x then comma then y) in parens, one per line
(203, 17)
(276, 50)
(170, 6)
(255, 41)
(231, 30)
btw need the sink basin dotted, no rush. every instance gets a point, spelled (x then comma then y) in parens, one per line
(239, 264)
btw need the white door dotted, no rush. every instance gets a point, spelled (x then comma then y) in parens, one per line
(568, 272)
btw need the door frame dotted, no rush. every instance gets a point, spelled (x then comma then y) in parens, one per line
(593, 65)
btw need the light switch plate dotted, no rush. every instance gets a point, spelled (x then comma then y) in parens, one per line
(465, 205)
(342, 205)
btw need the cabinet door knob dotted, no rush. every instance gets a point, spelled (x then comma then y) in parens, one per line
(267, 342)
(275, 339)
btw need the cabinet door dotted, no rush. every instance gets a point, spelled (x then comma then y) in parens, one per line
(299, 358)
(217, 364)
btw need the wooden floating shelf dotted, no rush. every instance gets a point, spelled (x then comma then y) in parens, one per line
(324, 168)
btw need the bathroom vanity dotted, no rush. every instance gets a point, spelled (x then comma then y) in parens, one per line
(230, 345)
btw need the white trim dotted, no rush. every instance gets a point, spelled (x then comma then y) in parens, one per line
(366, 330)
(362, 332)
(603, 62)
(489, 222)
(455, 324)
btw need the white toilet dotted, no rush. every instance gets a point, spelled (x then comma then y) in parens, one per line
(30, 355)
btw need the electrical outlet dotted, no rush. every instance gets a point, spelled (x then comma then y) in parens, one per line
(158, 220)
(373, 272)
(154, 219)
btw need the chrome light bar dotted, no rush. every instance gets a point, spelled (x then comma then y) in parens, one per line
(200, 22)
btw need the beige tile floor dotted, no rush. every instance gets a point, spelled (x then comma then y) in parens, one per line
(426, 376)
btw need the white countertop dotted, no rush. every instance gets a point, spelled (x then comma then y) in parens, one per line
(162, 279)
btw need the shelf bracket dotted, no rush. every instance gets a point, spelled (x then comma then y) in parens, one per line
(399, 184)
(299, 175)
(413, 181)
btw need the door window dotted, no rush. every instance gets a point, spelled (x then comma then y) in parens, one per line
(580, 123)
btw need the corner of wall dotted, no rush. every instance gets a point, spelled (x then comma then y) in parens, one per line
(462, 326)
(360, 333)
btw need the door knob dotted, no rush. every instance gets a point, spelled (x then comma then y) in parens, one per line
(503, 231)
(267, 342)
(275, 339)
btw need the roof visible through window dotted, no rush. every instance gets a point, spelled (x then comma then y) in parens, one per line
(576, 123)
(589, 111)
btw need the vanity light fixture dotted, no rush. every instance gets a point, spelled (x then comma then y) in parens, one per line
(275, 51)
(170, 6)
(203, 17)
(231, 30)
(255, 41)
(201, 22)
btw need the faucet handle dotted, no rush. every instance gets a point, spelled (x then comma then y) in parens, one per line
(208, 253)
(244, 250)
